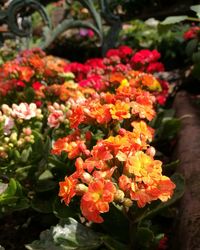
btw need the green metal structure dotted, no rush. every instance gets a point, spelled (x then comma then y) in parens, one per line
(17, 17)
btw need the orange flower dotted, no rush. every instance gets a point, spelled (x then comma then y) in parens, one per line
(106, 174)
(101, 113)
(67, 189)
(96, 200)
(150, 81)
(37, 62)
(116, 77)
(77, 117)
(143, 167)
(143, 131)
(26, 73)
(120, 110)
(73, 148)
(163, 189)
(124, 182)
(143, 111)
(140, 195)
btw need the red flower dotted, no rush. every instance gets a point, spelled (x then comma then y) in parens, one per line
(112, 52)
(37, 85)
(191, 33)
(125, 51)
(155, 67)
(145, 56)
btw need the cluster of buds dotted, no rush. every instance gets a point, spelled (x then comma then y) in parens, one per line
(16, 123)
(58, 114)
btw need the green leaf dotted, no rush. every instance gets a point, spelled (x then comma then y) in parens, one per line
(43, 204)
(119, 222)
(67, 235)
(196, 57)
(12, 198)
(196, 8)
(113, 244)
(61, 210)
(144, 237)
(3, 187)
(196, 71)
(173, 19)
(169, 129)
(25, 154)
(178, 193)
(191, 47)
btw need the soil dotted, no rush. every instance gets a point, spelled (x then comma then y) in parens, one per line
(188, 152)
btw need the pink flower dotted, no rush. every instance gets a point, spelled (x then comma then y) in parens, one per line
(8, 125)
(55, 118)
(24, 110)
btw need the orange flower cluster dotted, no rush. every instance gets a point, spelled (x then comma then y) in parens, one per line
(120, 166)
(31, 69)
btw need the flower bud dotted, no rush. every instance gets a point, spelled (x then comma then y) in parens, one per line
(151, 151)
(119, 196)
(56, 105)
(27, 131)
(127, 202)
(11, 145)
(81, 189)
(6, 109)
(6, 139)
(86, 177)
(20, 142)
(51, 108)
(13, 137)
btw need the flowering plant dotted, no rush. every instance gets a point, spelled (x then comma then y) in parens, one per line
(84, 134)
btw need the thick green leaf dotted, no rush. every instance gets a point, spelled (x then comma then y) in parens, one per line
(61, 210)
(12, 198)
(196, 57)
(3, 187)
(168, 129)
(25, 154)
(178, 193)
(119, 222)
(191, 47)
(113, 244)
(67, 235)
(196, 71)
(43, 204)
(144, 236)
(196, 8)
(11, 190)
(173, 19)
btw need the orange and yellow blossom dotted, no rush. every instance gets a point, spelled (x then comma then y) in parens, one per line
(143, 111)
(101, 113)
(151, 82)
(67, 189)
(143, 168)
(73, 148)
(96, 200)
(144, 132)
(120, 110)
(162, 189)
